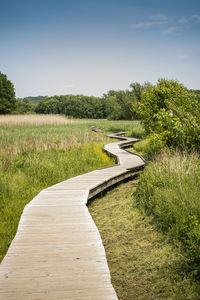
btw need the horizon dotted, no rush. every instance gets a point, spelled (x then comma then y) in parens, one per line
(65, 47)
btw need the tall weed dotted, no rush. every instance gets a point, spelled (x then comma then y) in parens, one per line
(169, 190)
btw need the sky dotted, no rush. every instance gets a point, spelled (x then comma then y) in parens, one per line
(89, 47)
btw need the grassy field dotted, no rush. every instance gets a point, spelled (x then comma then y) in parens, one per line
(38, 151)
(143, 264)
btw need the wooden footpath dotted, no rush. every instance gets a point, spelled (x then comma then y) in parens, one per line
(57, 252)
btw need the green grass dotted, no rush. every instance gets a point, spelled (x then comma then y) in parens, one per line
(133, 128)
(169, 190)
(143, 264)
(32, 171)
(16, 139)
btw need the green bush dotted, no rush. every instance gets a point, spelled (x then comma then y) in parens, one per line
(171, 114)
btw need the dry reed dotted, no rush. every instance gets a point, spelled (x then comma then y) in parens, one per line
(37, 120)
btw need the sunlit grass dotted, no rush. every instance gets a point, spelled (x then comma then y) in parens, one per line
(38, 119)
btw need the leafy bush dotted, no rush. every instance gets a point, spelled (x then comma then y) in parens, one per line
(125, 104)
(171, 114)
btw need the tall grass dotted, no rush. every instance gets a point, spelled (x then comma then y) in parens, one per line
(133, 128)
(38, 119)
(169, 189)
(16, 139)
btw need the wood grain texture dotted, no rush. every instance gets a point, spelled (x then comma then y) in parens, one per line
(57, 252)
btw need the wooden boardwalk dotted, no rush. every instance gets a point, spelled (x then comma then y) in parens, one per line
(57, 252)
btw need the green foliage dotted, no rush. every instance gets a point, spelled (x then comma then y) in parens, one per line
(76, 106)
(48, 106)
(7, 95)
(115, 105)
(149, 147)
(125, 104)
(122, 105)
(169, 190)
(197, 94)
(32, 99)
(24, 106)
(171, 114)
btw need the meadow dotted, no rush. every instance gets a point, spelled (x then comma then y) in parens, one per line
(150, 227)
(38, 151)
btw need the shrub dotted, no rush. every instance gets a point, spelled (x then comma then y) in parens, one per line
(171, 113)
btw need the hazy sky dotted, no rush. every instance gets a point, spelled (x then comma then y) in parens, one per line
(52, 47)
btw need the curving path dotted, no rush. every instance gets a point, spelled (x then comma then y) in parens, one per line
(57, 252)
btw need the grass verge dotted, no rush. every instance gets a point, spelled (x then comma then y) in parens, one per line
(143, 264)
(169, 191)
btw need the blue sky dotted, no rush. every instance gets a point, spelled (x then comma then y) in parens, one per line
(52, 47)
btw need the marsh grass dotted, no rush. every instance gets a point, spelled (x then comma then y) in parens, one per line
(17, 139)
(38, 120)
(142, 263)
(132, 128)
(169, 190)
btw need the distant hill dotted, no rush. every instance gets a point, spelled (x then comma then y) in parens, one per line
(32, 99)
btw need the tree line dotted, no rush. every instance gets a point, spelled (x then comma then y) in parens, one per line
(115, 105)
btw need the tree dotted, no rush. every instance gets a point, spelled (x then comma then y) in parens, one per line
(167, 95)
(7, 95)
(48, 106)
(171, 115)
(121, 104)
(24, 106)
(137, 89)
